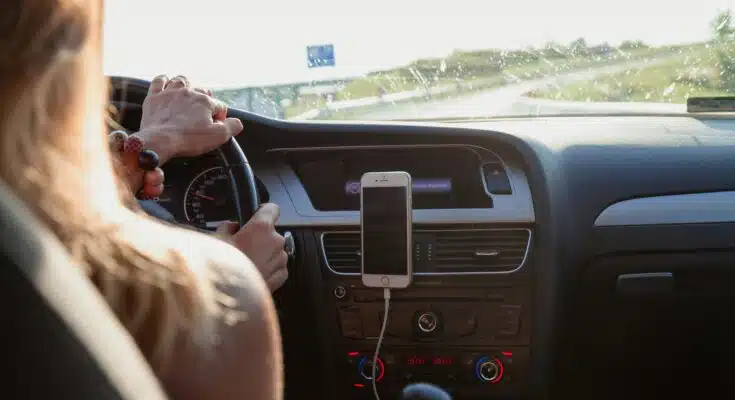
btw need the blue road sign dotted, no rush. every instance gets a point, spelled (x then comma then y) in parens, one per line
(320, 55)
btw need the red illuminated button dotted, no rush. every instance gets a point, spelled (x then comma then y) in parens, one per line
(439, 361)
(414, 360)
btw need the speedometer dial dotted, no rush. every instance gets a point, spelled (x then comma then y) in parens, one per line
(208, 199)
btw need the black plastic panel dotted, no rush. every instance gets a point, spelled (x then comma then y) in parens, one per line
(666, 344)
(691, 237)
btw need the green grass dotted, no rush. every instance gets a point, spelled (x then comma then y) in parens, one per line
(304, 104)
(531, 70)
(468, 67)
(695, 73)
(474, 71)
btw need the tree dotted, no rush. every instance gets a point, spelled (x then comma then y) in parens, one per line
(721, 24)
(578, 47)
(633, 44)
(554, 50)
(722, 31)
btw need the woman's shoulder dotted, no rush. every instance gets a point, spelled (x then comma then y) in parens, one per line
(201, 252)
(240, 357)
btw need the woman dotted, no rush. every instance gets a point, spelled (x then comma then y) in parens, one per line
(178, 121)
(197, 307)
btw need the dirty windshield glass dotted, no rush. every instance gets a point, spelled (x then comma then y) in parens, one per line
(408, 59)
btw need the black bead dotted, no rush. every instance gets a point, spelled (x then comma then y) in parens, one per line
(148, 160)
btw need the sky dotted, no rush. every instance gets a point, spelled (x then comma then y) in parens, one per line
(231, 43)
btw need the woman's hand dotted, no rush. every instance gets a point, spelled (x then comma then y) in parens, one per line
(259, 241)
(182, 122)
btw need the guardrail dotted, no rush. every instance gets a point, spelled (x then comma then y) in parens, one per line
(389, 98)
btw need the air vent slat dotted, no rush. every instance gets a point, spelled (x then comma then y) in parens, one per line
(452, 251)
(521, 248)
(342, 251)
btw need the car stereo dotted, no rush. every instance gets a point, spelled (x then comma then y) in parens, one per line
(443, 177)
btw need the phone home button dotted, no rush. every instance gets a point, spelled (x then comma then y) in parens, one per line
(385, 281)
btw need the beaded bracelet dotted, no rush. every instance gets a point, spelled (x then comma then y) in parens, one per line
(148, 160)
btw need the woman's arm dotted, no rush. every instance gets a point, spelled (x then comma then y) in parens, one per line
(229, 352)
(245, 361)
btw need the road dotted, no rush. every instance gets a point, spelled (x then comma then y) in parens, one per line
(510, 99)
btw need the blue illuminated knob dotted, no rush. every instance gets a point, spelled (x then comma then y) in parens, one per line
(489, 370)
(365, 369)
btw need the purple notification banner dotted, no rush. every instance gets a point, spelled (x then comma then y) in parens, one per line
(417, 186)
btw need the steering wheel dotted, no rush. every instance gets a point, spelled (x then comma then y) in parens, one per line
(242, 180)
(130, 93)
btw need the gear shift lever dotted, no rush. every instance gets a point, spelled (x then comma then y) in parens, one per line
(424, 391)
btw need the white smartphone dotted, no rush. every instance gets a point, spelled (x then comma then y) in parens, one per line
(386, 219)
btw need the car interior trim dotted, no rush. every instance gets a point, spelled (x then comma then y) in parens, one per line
(693, 208)
(508, 272)
(286, 189)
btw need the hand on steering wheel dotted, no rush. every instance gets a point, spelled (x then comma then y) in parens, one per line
(191, 123)
(265, 247)
(179, 121)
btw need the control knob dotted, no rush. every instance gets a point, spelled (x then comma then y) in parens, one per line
(427, 322)
(489, 370)
(365, 369)
(339, 292)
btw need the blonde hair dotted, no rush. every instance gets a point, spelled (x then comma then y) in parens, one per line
(53, 154)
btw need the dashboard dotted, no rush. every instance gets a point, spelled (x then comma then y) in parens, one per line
(612, 242)
(197, 192)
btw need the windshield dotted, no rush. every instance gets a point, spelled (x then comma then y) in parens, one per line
(409, 59)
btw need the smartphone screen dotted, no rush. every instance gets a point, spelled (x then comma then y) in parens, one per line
(384, 230)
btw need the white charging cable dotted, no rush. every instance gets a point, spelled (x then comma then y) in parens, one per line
(386, 297)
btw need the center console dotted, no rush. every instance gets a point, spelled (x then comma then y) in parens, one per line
(466, 330)
(465, 323)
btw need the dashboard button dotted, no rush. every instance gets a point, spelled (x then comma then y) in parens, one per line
(340, 292)
(460, 322)
(496, 179)
(350, 322)
(428, 322)
(509, 320)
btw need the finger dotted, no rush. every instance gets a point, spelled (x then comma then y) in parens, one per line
(157, 84)
(219, 110)
(233, 125)
(216, 107)
(224, 232)
(221, 131)
(204, 91)
(228, 227)
(152, 190)
(154, 178)
(268, 212)
(277, 279)
(178, 82)
(278, 251)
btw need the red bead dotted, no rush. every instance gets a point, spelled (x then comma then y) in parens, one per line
(134, 144)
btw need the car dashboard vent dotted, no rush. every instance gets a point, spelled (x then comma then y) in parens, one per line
(480, 250)
(440, 251)
(341, 251)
